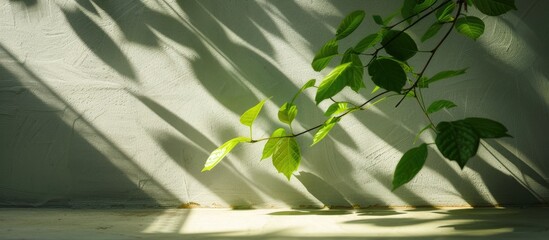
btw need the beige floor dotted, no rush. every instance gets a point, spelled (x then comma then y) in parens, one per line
(459, 223)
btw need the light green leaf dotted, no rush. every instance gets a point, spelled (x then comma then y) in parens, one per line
(368, 42)
(287, 113)
(325, 129)
(376, 88)
(387, 74)
(457, 141)
(421, 131)
(287, 156)
(356, 73)
(470, 26)
(349, 24)
(308, 84)
(440, 104)
(439, 76)
(443, 14)
(272, 143)
(409, 165)
(336, 108)
(399, 45)
(487, 128)
(218, 154)
(495, 7)
(250, 115)
(334, 82)
(325, 55)
(431, 31)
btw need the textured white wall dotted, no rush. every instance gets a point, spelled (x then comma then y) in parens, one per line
(120, 103)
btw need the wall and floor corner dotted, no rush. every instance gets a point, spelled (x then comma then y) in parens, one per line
(120, 102)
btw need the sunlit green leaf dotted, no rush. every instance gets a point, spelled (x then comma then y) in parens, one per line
(218, 154)
(325, 129)
(440, 76)
(325, 55)
(368, 42)
(356, 73)
(287, 156)
(349, 24)
(336, 108)
(334, 82)
(387, 74)
(399, 45)
(470, 26)
(494, 7)
(272, 143)
(487, 128)
(409, 165)
(250, 115)
(287, 113)
(444, 14)
(440, 104)
(431, 31)
(457, 141)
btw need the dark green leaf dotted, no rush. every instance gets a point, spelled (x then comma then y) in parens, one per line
(325, 129)
(378, 20)
(349, 24)
(334, 82)
(325, 55)
(399, 45)
(440, 104)
(287, 156)
(287, 113)
(407, 9)
(487, 128)
(368, 42)
(439, 76)
(218, 154)
(356, 73)
(409, 165)
(470, 26)
(250, 115)
(272, 143)
(420, 6)
(387, 74)
(336, 108)
(494, 7)
(457, 141)
(431, 31)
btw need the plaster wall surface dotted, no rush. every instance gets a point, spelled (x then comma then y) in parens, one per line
(121, 102)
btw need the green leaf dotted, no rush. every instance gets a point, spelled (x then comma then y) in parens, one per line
(356, 73)
(420, 6)
(387, 74)
(399, 45)
(487, 128)
(441, 75)
(325, 129)
(349, 24)
(457, 141)
(378, 20)
(440, 104)
(470, 26)
(409, 165)
(250, 115)
(431, 31)
(287, 113)
(407, 9)
(272, 143)
(308, 84)
(218, 154)
(494, 7)
(443, 14)
(368, 42)
(325, 55)
(334, 82)
(336, 108)
(287, 156)
(421, 131)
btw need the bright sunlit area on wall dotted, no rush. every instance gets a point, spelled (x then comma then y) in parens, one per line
(328, 119)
